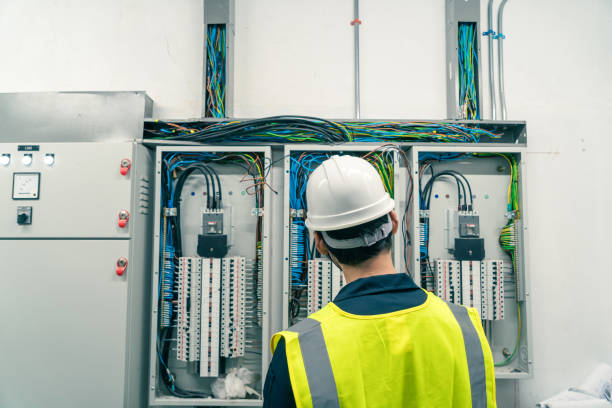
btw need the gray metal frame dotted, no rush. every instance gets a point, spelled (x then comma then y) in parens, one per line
(524, 360)
(459, 11)
(221, 12)
(154, 398)
(38, 117)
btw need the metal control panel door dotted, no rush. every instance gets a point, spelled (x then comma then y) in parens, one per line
(64, 323)
(68, 190)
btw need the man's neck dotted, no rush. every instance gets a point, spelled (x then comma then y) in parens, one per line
(379, 265)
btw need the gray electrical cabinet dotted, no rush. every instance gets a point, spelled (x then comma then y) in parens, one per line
(74, 276)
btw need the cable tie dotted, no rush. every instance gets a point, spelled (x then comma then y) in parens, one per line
(489, 32)
(355, 21)
(499, 36)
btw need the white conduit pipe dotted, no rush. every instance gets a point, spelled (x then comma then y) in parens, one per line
(490, 33)
(500, 57)
(356, 23)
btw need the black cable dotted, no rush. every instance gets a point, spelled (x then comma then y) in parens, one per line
(211, 199)
(427, 191)
(218, 195)
(177, 195)
(468, 185)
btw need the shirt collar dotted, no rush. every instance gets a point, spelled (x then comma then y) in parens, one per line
(393, 282)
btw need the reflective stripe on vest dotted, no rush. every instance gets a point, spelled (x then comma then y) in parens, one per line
(475, 358)
(316, 362)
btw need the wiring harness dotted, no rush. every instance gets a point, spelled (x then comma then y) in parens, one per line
(289, 129)
(467, 50)
(508, 242)
(215, 71)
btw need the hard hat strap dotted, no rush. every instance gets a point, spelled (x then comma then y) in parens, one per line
(366, 240)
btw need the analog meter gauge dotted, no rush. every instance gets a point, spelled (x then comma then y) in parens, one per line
(26, 186)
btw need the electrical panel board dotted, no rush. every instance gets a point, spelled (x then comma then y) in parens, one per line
(209, 291)
(469, 207)
(302, 261)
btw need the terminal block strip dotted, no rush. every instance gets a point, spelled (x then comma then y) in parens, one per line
(233, 306)
(472, 283)
(210, 311)
(188, 309)
(210, 316)
(324, 282)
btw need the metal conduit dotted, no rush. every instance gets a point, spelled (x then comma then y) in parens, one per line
(500, 58)
(490, 32)
(356, 23)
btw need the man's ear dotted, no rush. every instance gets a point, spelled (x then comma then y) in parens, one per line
(394, 222)
(320, 244)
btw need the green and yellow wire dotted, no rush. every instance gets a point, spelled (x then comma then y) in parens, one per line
(508, 242)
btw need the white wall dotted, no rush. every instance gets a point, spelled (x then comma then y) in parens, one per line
(296, 57)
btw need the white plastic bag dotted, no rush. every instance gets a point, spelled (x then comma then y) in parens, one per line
(234, 385)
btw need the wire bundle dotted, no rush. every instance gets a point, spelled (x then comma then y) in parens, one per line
(469, 103)
(508, 241)
(294, 129)
(215, 71)
(383, 163)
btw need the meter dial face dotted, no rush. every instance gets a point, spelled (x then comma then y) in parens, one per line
(26, 186)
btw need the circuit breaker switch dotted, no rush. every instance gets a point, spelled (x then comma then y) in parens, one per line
(212, 243)
(212, 222)
(24, 215)
(469, 224)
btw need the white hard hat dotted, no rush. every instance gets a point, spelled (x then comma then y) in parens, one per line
(345, 191)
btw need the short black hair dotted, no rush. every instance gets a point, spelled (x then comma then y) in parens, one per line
(355, 256)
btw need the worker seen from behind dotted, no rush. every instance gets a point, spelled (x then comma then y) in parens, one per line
(383, 341)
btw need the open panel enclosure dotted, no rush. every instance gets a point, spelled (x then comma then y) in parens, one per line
(469, 203)
(310, 281)
(210, 277)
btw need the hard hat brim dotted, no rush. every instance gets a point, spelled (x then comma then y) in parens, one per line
(351, 218)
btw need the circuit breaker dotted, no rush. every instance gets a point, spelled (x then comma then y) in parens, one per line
(211, 271)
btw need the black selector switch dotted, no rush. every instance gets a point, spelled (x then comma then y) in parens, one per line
(24, 215)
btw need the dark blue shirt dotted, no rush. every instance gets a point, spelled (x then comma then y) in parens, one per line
(367, 296)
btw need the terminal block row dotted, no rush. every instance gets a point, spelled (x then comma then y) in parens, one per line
(477, 284)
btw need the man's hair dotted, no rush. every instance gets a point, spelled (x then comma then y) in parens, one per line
(355, 256)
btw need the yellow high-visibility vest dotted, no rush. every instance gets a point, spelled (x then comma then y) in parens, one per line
(432, 355)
